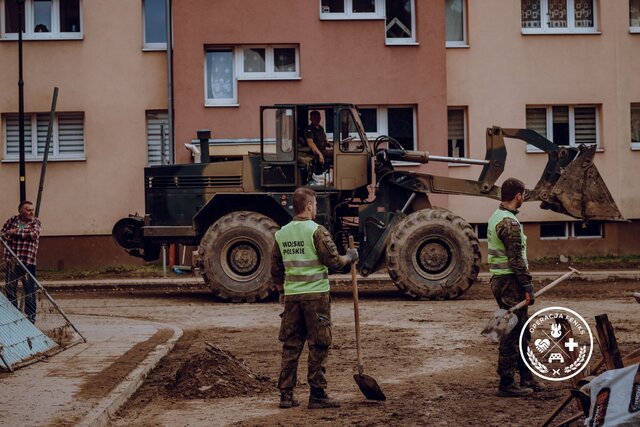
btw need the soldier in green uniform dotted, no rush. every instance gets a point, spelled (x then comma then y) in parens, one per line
(302, 257)
(511, 283)
(315, 146)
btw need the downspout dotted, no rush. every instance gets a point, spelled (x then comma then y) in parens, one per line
(172, 146)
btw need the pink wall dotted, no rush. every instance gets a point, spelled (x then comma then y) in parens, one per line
(340, 61)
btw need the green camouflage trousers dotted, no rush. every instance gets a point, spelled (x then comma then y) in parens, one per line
(305, 318)
(508, 292)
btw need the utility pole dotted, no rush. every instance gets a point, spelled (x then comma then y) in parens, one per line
(23, 191)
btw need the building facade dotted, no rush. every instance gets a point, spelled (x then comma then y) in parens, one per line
(433, 74)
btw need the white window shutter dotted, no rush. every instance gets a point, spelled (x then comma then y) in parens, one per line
(585, 124)
(41, 133)
(13, 136)
(70, 135)
(155, 120)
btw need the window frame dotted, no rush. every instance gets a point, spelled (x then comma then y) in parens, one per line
(348, 13)
(464, 42)
(563, 237)
(382, 121)
(634, 106)
(634, 28)
(223, 102)
(54, 150)
(402, 41)
(570, 29)
(150, 46)
(30, 34)
(575, 224)
(572, 124)
(465, 130)
(269, 73)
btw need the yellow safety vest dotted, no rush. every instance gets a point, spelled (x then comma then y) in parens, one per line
(498, 260)
(304, 273)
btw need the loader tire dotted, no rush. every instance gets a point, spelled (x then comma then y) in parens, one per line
(235, 256)
(433, 254)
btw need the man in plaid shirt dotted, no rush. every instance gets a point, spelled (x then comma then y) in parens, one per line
(22, 234)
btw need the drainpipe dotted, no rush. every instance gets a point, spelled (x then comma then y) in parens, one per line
(172, 146)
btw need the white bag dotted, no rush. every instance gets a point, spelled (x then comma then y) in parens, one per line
(615, 398)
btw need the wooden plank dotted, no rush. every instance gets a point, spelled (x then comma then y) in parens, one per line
(608, 343)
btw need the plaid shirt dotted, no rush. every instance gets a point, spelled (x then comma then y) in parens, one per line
(25, 242)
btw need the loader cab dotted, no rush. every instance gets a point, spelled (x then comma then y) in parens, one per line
(285, 153)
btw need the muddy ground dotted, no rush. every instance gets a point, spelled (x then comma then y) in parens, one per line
(428, 357)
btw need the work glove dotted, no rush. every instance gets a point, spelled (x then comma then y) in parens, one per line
(529, 295)
(352, 254)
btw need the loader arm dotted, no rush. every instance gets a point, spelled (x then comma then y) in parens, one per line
(570, 182)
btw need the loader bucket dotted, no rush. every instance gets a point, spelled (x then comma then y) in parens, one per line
(576, 188)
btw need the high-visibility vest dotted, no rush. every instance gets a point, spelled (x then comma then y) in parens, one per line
(498, 260)
(304, 273)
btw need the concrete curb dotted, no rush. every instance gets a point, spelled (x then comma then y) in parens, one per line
(100, 415)
(592, 275)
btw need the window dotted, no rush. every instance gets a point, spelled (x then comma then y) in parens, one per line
(589, 230)
(43, 19)
(455, 17)
(158, 149)
(634, 16)
(553, 230)
(480, 230)
(635, 126)
(397, 122)
(558, 16)
(565, 125)
(400, 22)
(67, 139)
(220, 77)
(351, 9)
(268, 62)
(457, 132)
(155, 24)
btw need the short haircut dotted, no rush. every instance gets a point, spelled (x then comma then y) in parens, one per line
(511, 187)
(314, 113)
(22, 203)
(301, 197)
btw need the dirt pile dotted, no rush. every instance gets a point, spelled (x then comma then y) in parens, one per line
(216, 373)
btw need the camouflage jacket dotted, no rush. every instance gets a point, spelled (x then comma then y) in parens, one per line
(509, 233)
(327, 253)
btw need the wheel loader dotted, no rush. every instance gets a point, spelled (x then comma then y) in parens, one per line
(231, 209)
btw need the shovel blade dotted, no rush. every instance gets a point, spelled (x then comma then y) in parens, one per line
(369, 387)
(502, 322)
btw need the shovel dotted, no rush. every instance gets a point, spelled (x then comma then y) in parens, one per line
(503, 321)
(368, 386)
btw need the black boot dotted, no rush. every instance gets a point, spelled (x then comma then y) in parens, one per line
(530, 382)
(287, 400)
(319, 399)
(508, 388)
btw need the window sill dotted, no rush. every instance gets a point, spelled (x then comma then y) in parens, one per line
(457, 45)
(634, 30)
(39, 160)
(635, 146)
(154, 49)
(26, 38)
(263, 78)
(402, 163)
(536, 151)
(354, 17)
(207, 105)
(458, 165)
(407, 43)
(529, 32)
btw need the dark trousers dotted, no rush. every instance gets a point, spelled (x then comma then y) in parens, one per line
(305, 320)
(508, 292)
(28, 288)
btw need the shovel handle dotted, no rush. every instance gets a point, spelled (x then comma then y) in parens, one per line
(356, 310)
(562, 278)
